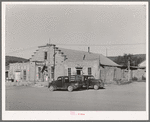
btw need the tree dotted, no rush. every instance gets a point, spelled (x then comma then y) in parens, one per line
(123, 60)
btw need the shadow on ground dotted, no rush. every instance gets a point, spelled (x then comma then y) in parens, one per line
(83, 89)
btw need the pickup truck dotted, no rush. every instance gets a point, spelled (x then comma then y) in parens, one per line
(92, 82)
(66, 82)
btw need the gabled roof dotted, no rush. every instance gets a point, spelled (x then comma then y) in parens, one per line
(143, 64)
(75, 55)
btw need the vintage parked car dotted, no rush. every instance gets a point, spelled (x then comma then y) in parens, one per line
(9, 80)
(92, 82)
(64, 82)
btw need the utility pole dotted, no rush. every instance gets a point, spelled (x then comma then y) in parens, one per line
(49, 41)
(49, 65)
(54, 62)
(99, 68)
(128, 69)
(106, 51)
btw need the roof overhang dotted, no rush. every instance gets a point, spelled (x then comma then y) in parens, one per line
(111, 65)
(46, 45)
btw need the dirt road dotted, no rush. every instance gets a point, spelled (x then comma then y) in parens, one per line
(129, 97)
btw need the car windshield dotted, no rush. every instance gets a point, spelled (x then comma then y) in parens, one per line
(59, 79)
(91, 77)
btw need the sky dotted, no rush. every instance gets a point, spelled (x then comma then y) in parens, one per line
(110, 30)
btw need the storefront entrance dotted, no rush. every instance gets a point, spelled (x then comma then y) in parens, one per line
(17, 76)
(79, 70)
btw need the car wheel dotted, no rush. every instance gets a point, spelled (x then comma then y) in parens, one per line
(102, 85)
(96, 87)
(70, 88)
(51, 88)
(55, 88)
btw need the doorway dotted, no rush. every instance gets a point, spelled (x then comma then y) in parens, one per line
(79, 70)
(17, 76)
(6, 74)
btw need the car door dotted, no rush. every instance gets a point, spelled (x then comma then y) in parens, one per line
(59, 82)
(66, 82)
(90, 81)
(85, 80)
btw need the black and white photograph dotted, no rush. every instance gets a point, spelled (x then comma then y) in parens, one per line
(75, 61)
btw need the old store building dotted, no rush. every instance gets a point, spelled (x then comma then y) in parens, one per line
(19, 71)
(51, 61)
(62, 61)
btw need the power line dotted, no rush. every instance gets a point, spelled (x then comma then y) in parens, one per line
(77, 45)
(29, 48)
(100, 44)
(131, 48)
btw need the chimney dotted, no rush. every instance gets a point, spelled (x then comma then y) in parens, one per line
(88, 49)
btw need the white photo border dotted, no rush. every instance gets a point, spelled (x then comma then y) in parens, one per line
(65, 115)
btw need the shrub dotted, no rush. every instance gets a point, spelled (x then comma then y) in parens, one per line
(143, 78)
(134, 78)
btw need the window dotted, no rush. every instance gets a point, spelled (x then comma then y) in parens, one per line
(59, 79)
(89, 71)
(45, 55)
(66, 80)
(78, 72)
(69, 72)
(24, 74)
(91, 77)
(39, 72)
(114, 73)
(6, 74)
(52, 72)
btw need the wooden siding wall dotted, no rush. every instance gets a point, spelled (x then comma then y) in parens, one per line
(108, 74)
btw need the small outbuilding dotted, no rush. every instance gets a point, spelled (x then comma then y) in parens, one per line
(19, 71)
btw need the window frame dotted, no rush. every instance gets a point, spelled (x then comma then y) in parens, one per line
(66, 79)
(24, 74)
(59, 78)
(45, 55)
(69, 71)
(39, 72)
(89, 71)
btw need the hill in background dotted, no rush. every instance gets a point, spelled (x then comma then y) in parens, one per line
(13, 59)
(142, 56)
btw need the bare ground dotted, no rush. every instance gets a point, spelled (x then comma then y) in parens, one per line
(128, 97)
